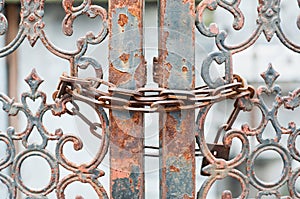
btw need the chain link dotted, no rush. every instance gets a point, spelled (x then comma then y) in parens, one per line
(148, 100)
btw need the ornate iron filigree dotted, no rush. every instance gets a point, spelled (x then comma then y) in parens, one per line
(32, 26)
(268, 22)
(220, 168)
(84, 173)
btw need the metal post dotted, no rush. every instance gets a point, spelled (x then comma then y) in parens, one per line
(175, 70)
(12, 59)
(126, 70)
(12, 64)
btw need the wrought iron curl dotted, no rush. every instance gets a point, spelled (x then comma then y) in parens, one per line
(213, 30)
(84, 173)
(10, 149)
(8, 161)
(3, 20)
(286, 159)
(292, 145)
(287, 154)
(234, 173)
(8, 182)
(218, 168)
(77, 143)
(32, 26)
(219, 57)
(17, 165)
(292, 183)
(268, 22)
(97, 186)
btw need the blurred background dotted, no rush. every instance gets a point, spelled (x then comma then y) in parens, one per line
(248, 64)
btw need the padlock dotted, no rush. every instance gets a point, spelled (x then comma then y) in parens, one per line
(218, 151)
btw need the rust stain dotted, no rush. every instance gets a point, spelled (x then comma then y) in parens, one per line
(118, 77)
(174, 169)
(68, 4)
(126, 142)
(134, 7)
(177, 130)
(123, 20)
(187, 197)
(120, 174)
(169, 66)
(135, 12)
(124, 57)
(140, 75)
(126, 153)
(163, 69)
(188, 153)
(192, 6)
(193, 79)
(128, 187)
(170, 126)
(127, 133)
(161, 73)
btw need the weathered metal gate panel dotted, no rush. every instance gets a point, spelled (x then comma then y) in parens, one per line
(126, 70)
(176, 99)
(176, 62)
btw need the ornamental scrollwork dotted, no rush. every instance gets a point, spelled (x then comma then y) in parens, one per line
(32, 27)
(84, 173)
(220, 168)
(268, 23)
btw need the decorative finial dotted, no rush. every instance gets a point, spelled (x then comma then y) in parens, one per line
(33, 80)
(270, 76)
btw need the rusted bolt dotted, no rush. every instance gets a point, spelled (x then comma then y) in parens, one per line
(184, 69)
(123, 20)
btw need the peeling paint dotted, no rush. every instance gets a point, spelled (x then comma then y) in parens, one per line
(124, 57)
(125, 188)
(174, 169)
(174, 69)
(127, 70)
(119, 77)
(140, 75)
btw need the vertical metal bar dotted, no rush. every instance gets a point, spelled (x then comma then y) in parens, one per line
(12, 14)
(175, 70)
(12, 11)
(126, 70)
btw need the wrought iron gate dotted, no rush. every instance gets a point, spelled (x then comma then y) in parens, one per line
(176, 99)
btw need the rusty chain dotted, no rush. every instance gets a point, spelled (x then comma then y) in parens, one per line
(147, 100)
